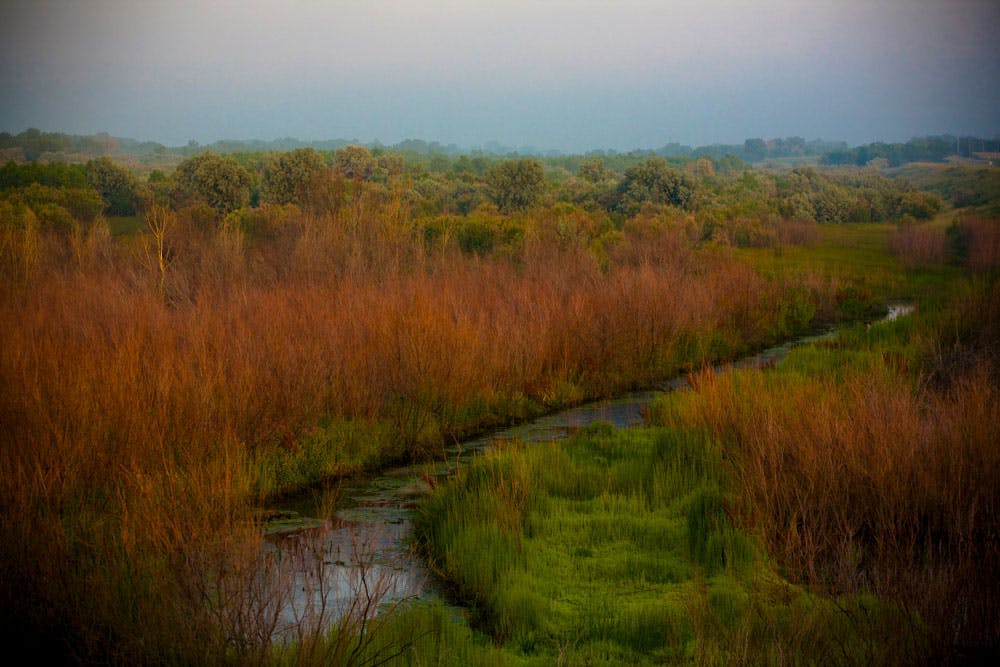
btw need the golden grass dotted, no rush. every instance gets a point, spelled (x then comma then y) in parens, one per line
(862, 480)
(140, 379)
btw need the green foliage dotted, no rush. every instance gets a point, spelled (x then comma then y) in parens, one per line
(515, 185)
(655, 182)
(54, 217)
(595, 171)
(355, 162)
(476, 236)
(34, 143)
(919, 205)
(218, 181)
(961, 186)
(53, 174)
(856, 304)
(712, 541)
(335, 448)
(261, 222)
(288, 176)
(860, 196)
(617, 547)
(117, 187)
(482, 233)
(930, 149)
(58, 208)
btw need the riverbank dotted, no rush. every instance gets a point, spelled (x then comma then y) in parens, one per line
(672, 543)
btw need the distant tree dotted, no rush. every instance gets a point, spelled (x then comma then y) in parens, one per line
(729, 163)
(754, 150)
(701, 168)
(834, 203)
(287, 176)
(799, 206)
(218, 181)
(653, 181)
(117, 187)
(594, 170)
(356, 162)
(933, 149)
(438, 163)
(84, 204)
(390, 164)
(920, 205)
(53, 174)
(515, 185)
(58, 204)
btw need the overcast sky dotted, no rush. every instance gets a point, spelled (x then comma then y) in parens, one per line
(570, 75)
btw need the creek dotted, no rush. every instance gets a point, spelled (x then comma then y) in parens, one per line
(361, 557)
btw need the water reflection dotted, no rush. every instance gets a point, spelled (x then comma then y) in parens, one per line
(366, 549)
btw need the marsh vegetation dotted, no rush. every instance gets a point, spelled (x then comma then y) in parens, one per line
(176, 353)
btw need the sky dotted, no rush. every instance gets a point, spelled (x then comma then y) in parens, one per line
(571, 75)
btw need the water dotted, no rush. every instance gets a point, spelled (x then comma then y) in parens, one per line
(363, 556)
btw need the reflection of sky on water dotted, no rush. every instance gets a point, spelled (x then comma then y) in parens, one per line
(351, 570)
(375, 517)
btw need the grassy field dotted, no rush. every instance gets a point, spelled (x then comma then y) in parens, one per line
(856, 253)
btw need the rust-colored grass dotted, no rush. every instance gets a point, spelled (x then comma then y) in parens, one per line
(918, 245)
(141, 379)
(979, 239)
(863, 479)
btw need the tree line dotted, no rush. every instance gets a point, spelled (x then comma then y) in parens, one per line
(921, 149)
(709, 196)
(33, 144)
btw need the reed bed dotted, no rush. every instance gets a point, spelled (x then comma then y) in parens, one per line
(870, 465)
(153, 387)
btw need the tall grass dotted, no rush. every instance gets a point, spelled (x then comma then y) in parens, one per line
(976, 241)
(865, 477)
(918, 245)
(152, 386)
(623, 548)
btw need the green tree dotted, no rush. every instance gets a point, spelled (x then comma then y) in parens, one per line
(117, 187)
(287, 176)
(218, 181)
(754, 150)
(595, 171)
(920, 205)
(356, 162)
(515, 185)
(652, 181)
(54, 174)
(833, 204)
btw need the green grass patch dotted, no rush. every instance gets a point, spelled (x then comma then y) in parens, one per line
(856, 254)
(615, 547)
(335, 448)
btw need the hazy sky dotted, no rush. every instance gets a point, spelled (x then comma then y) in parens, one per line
(571, 75)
